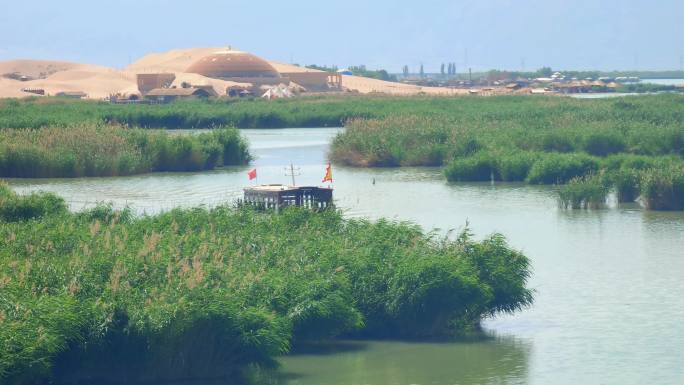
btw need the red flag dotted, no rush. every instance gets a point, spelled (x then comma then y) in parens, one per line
(252, 174)
(328, 174)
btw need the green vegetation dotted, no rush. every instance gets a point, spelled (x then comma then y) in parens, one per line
(373, 74)
(240, 113)
(663, 188)
(202, 294)
(322, 68)
(97, 150)
(586, 192)
(636, 141)
(15, 207)
(336, 111)
(510, 138)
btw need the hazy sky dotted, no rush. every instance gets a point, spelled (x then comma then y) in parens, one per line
(482, 34)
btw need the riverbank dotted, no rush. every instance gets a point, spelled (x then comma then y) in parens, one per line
(204, 293)
(536, 140)
(99, 150)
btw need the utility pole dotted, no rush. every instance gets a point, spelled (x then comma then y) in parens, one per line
(465, 58)
(293, 171)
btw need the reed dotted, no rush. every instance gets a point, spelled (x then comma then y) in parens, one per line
(531, 111)
(555, 168)
(585, 192)
(97, 150)
(203, 293)
(15, 207)
(478, 168)
(663, 188)
(626, 183)
(536, 140)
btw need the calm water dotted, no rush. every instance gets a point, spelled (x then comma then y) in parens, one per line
(609, 306)
(667, 82)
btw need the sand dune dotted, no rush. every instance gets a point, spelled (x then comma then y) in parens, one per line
(56, 76)
(176, 60)
(100, 82)
(366, 85)
(36, 68)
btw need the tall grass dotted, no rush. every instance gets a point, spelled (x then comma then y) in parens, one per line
(97, 150)
(15, 207)
(586, 192)
(531, 111)
(535, 140)
(663, 188)
(555, 168)
(200, 294)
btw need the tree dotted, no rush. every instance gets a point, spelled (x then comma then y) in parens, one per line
(545, 72)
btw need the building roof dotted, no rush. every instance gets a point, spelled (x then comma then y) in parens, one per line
(233, 64)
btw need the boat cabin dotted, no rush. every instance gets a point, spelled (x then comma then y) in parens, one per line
(278, 195)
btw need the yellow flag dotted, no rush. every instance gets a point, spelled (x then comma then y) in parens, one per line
(328, 174)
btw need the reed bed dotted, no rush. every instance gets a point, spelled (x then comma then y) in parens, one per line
(98, 150)
(585, 192)
(531, 112)
(537, 141)
(15, 207)
(663, 188)
(203, 293)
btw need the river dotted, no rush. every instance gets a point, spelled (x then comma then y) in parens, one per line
(609, 303)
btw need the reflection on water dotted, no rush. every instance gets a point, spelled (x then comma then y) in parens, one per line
(480, 361)
(609, 304)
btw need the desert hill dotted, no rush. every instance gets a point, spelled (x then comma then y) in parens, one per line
(99, 82)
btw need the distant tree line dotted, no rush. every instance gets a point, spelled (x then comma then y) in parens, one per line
(380, 74)
(359, 70)
(445, 70)
(323, 68)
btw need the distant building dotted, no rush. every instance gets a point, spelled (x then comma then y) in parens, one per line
(124, 98)
(581, 87)
(37, 91)
(243, 67)
(148, 82)
(165, 95)
(239, 67)
(238, 91)
(316, 81)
